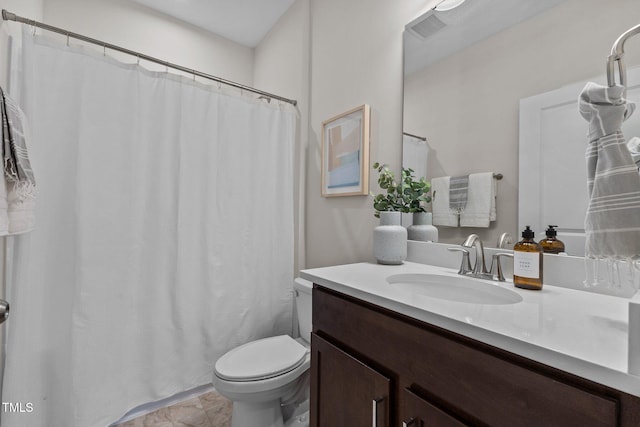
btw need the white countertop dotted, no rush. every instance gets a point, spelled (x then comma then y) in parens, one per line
(580, 332)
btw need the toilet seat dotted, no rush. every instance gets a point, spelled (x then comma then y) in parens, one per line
(261, 359)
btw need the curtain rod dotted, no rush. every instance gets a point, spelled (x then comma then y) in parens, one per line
(422, 138)
(8, 16)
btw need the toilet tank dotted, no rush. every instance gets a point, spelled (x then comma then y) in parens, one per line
(302, 290)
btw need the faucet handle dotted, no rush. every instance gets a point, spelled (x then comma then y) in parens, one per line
(496, 267)
(465, 265)
(504, 240)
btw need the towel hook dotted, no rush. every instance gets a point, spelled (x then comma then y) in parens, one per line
(617, 52)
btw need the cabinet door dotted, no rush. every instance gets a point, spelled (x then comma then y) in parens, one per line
(345, 391)
(417, 412)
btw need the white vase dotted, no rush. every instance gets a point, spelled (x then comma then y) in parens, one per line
(422, 228)
(390, 239)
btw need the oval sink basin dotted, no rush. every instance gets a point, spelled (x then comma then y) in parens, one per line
(454, 288)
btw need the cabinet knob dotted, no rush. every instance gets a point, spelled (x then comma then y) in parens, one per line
(4, 310)
(410, 422)
(374, 413)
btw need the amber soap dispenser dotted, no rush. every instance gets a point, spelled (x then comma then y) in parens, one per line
(527, 262)
(551, 245)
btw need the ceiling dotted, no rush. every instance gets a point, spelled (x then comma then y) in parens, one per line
(444, 33)
(243, 21)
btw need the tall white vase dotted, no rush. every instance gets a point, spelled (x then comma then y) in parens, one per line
(422, 228)
(390, 239)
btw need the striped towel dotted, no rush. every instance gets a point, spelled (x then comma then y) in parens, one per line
(458, 192)
(634, 148)
(442, 213)
(19, 186)
(612, 224)
(17, 167)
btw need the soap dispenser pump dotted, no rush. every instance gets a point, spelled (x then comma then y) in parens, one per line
(551, 245)
(527, 262)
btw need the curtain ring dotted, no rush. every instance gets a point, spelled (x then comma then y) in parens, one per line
(67, 39)
(104, 50)
(34, 30)
(138, 61)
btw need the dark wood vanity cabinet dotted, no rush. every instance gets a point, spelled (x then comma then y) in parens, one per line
(352, 393)
(371, 362)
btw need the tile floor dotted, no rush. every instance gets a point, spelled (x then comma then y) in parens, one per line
(207, 410)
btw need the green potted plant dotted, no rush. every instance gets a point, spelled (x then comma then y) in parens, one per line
(415, 194)
(409, 195)
(405, 196)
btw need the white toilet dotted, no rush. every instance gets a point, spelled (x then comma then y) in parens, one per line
(264, 376)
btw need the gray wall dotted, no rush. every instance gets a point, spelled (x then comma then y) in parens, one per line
(356, 58)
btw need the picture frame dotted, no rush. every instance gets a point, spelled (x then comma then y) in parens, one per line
(345, 153)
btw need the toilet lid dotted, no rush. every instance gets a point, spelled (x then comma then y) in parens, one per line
(261, 359)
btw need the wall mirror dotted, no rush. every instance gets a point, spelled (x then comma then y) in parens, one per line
(473, 72)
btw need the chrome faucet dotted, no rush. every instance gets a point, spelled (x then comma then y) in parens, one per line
(474, 241)
(479, 270)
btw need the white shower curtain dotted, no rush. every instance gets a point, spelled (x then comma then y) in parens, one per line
(164, 235)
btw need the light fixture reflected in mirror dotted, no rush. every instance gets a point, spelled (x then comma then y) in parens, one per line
(445, 5)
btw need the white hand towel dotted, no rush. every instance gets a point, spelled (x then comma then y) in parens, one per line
(481, 201)
(443, 215)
